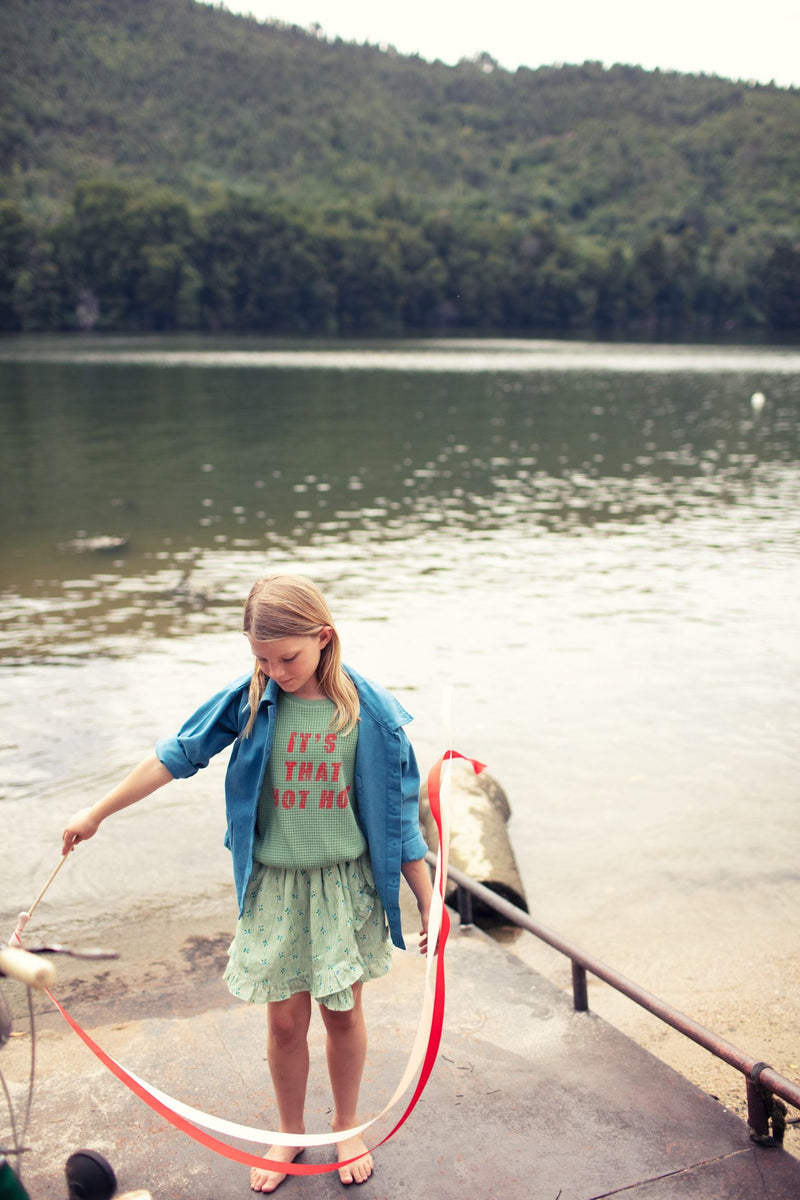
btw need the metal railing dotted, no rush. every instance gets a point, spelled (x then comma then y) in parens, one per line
(762, 1081)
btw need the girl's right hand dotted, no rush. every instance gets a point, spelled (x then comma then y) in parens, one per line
(79, 828)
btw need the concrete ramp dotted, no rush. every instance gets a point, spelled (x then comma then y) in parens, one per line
(528, 1099)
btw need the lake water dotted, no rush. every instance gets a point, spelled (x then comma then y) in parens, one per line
(593, 548)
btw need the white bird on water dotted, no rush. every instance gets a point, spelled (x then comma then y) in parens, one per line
(757, 401)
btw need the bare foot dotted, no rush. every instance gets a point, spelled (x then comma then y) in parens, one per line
(266, 1180)
(360, 1170)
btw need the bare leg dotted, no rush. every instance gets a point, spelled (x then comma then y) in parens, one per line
(287, 1055)
(346, 1048)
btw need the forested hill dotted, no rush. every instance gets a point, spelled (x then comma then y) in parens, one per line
(187, 95)
(589, 162)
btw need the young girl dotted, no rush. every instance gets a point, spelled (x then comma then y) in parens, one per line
(322, 795)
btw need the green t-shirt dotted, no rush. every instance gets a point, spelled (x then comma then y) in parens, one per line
(307, 811)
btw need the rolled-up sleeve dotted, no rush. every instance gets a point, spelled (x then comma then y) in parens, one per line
(207, 731)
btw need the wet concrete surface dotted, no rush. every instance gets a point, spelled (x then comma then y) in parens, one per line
(527, 1098)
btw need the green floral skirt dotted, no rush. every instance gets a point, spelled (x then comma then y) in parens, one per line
(316, 929)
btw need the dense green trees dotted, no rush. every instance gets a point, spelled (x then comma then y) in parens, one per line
(144, 259)
(167, 165)
(782, 287)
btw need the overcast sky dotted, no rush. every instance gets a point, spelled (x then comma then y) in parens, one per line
(758, 40)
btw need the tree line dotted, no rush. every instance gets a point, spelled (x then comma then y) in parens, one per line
(142, 258)
(168, 165)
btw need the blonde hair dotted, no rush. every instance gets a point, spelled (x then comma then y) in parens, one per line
(281, 606)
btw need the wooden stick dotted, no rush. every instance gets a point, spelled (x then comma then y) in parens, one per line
(53, 874)
(24, 917)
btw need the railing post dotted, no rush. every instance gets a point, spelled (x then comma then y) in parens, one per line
(464, 903)
(766, 1116)
(580, 994)
(757, 1111)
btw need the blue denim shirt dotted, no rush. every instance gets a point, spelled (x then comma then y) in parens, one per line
(386, 776)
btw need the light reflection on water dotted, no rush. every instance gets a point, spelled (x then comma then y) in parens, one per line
(191, 466)
(597, 547)
(431, 355)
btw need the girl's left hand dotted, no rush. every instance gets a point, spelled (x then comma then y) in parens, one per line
(423, 936)
(418, 878)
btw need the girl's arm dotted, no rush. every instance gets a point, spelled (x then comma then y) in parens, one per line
(418, 877)
(150, 775)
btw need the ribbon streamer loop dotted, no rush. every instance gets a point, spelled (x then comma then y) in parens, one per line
(196, 1124)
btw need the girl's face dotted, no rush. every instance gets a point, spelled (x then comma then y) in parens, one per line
(293, 661)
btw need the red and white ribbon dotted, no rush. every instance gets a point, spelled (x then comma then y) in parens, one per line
(197, 1125)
